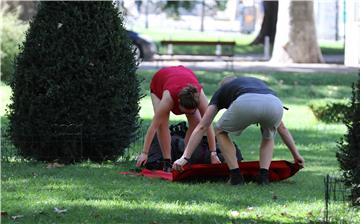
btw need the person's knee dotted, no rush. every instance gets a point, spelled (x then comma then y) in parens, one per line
(267, 139)
(219, 131)
(163, 129)
(268, 132)
(194, 120)
(281, 128)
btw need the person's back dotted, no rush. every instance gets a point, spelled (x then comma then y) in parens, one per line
(173, 79)
(231, 90)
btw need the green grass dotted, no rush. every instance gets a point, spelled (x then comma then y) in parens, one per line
(242, 41)
(96, 193)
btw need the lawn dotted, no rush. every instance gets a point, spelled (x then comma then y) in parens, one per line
(95, 193)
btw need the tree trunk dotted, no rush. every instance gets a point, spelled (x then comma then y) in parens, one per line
(268, 25)
(296, 39)
(28, 8)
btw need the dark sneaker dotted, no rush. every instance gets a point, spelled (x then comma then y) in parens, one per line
(236, 179)
(167, 166)
(263, 180)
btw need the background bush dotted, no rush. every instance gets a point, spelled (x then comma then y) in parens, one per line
(75, 91)
(330, 111)
(12, 35)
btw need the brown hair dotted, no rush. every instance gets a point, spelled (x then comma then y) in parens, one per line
(189, 97)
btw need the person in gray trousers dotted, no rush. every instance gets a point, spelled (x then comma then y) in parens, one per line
(248, 101)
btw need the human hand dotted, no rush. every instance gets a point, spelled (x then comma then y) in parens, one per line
(178, 164)
(214, 158)
(299, 160)
(142, 159)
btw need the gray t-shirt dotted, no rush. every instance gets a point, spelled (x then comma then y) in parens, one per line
(230, 91)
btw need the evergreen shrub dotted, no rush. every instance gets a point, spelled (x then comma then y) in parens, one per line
(75, 90)
(348, 153)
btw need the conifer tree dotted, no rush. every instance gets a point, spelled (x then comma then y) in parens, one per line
(349, 146)
(75, 90)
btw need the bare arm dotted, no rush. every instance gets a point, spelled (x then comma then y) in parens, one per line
(193, 121)
(161, 115)
(210, 131)
(196, 136)
(200, 130)
(290, 143)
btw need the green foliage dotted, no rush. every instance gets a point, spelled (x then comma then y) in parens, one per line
(172, 7)
(330, 111)
(12, 35)
(349, 147)
(75, 91)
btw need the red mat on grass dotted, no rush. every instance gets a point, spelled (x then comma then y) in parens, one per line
(279, 170)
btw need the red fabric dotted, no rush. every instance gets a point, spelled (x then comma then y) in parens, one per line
(173, 79)
(279, 170)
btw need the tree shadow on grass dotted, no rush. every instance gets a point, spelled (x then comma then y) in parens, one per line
(32, 190)
(86, 190)
(123, 214)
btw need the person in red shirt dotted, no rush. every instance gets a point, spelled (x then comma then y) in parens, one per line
(178, 90)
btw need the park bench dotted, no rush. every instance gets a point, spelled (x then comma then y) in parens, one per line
(218, 44)
(217, 54)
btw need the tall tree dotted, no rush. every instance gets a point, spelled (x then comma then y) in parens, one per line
(172, 8)
(27, 8)
(75, 91)
(296, 38)
(268, 25)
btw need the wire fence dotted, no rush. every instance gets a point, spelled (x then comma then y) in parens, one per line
(70, 137)
(336, 197)
(8, 150)
(136, 147)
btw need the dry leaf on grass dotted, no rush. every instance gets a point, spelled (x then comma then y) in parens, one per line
(54, 165)
(15, 217)
(59, 210)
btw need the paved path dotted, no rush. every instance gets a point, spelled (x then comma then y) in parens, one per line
(249, 64)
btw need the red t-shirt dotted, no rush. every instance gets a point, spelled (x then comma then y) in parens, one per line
(173, 79)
